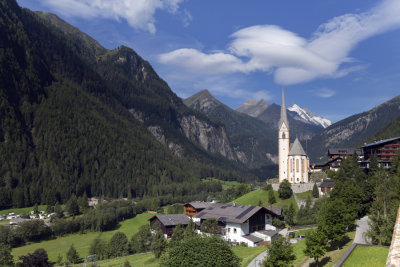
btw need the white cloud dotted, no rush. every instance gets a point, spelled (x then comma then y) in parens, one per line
(290, 58)
(325, 92)
(138, 13)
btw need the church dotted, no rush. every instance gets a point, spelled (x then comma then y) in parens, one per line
(293, 161)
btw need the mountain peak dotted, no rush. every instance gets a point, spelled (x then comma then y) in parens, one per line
(306, 115)
(203, 101)
(253, 107)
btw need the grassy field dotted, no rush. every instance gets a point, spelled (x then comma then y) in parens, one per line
(367, 256)
(255, 197)
(225, 184)
(22, 210)
(331, 257)
(82, 242)
(247, 254)
(304, 195)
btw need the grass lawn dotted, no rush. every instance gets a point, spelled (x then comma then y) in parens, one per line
(367, 256)
(298, 251)
(138, 260)
(254, 197)
(304, 195)
(247, 254)
(22, 210)
(82, 242)
(332, 256)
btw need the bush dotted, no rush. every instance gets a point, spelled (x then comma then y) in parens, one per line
(285, 190)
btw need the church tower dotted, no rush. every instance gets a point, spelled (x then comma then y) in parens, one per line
(283, 142)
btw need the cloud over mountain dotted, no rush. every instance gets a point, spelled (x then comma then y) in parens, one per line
(290, 58)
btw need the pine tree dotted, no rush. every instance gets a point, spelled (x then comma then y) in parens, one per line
(158, 244)
(316, 244)
(315, 192)
(271, 197)
(72, 206)
(72, 255)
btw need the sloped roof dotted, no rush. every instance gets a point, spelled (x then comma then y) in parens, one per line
(381, 142)
(253, 238)
(202, 204)
(283, 118)
(229, 213)
(275, 209)
(327, 182)
(343, 151)
(172, 219)
(268, 232)
(296, 149)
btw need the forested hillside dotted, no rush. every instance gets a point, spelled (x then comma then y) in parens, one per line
(75, 118)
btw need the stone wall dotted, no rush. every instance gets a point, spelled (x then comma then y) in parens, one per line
(297, 188)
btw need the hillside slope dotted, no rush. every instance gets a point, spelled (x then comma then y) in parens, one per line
(253, 142)
(353, 130)
(76, 117)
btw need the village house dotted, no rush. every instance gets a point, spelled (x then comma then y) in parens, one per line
(168, 222)
(325, 186)
(237, 224)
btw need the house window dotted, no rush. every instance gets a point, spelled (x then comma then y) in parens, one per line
(234, 230)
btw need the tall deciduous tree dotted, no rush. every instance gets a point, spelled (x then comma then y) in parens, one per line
(210, 226)
(316, 244)
(6, 259)
(280, 254)
(285, 189)
(141, 241)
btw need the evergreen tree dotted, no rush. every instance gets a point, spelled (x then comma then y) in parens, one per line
(141, 241)
(72, 255)
(316, 245)
(290, 214)
(271, 197)
(36, 209)
(190, 229)
(58, 210)
(82, 202)
(119, 245)
(177, 235)
(285, 190)
(6, 259)
(280, 254)
(315, 192)
(158, 244)
(210, 226)
(72, 206)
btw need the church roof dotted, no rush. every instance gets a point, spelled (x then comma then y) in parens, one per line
(296, 149)
(283, 118)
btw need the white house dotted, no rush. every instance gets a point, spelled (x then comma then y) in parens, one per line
(241, 224)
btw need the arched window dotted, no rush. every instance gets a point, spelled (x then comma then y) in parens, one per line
(297, 165)
(302, 165)
(283, 136)
(290, 165)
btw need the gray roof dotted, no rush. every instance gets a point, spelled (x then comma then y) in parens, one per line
(253, 238)
(268, 232)
(343, 151)
(202, 204)
(296, 149)
(327, 182)
(172, 219)
(381, 142)
(283, 118)
(229, 213)
(275, 209)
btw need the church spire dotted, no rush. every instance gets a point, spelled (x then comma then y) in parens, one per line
(283, 113)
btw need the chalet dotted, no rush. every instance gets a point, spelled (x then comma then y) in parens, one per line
(92, 202)
(334, 153)
(325, 186)
(194, 207)
(168, 222)
(385, 151)
(241, 224)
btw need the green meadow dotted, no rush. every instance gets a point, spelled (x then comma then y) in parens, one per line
(367, 256)
(82, 242)
(260, 197)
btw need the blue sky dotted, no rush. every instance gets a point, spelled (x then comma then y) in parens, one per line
(335, 57)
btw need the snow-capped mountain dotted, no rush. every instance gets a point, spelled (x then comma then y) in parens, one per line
(306, 115)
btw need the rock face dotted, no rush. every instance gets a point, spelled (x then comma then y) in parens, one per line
(253, 108)
(354, 130)
(210, 138)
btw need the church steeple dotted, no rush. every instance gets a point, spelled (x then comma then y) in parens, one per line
(283, 113)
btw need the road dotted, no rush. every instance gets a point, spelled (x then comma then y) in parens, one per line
(257, 261)
(361, 231)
